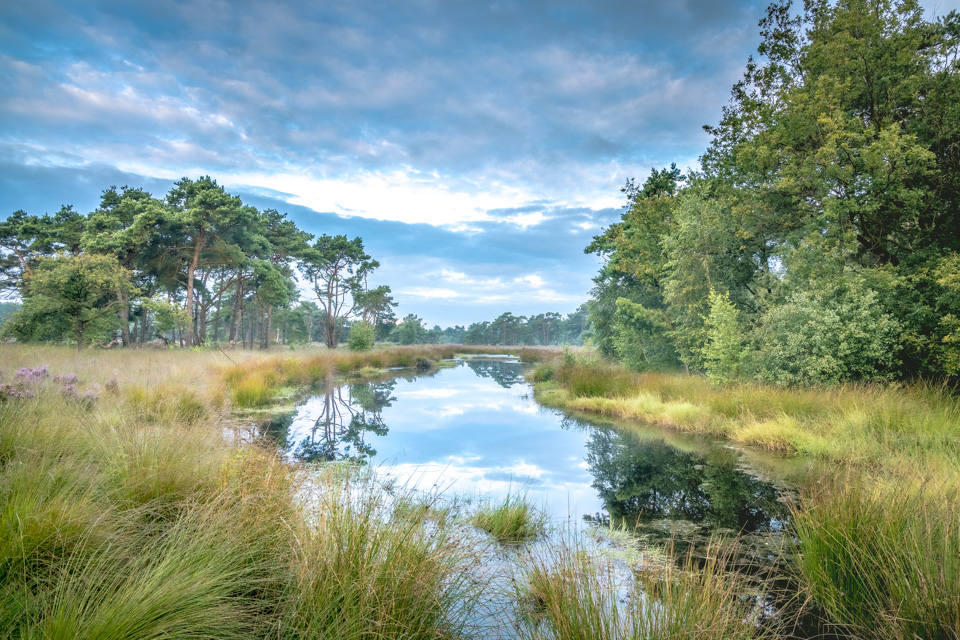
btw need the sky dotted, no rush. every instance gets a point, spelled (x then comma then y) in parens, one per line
(476, 147)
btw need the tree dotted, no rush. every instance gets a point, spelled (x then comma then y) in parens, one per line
(337, 269)
(724, 349)
(204, 214)
(125, 225)
(410, 331)
(71, 295)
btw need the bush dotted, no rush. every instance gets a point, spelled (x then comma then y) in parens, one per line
(829, 338)
(362, 336)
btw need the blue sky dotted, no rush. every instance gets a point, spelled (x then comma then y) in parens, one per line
(476, 147)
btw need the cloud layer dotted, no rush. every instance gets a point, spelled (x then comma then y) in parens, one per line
(504, 128)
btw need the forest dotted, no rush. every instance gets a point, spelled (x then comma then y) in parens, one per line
(818, 241)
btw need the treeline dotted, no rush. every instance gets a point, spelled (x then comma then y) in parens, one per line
(196, 267)
(506, 330)
(818, 242)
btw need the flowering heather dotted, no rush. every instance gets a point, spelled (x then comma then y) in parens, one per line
(32, 375)
(14, 391)
(65, 378)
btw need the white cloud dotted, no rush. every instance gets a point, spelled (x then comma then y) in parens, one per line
(534, 281)
(431, 292)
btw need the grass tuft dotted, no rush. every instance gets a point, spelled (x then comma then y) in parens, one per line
(513, 519)
(571, 594)
(883, 559)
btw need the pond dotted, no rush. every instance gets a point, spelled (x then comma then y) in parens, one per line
(473, 429)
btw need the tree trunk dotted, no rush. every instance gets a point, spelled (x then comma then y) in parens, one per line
(123, 311)
(267, 328)
(191, 270)
(329, 330)
(216, 319)
(236, 311)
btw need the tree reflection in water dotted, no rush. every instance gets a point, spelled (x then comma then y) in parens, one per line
(348, 414)
(643, 480)
(505, 374)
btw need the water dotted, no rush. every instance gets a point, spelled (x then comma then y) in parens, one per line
(475, 430)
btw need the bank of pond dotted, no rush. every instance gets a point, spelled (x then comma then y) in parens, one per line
(436, 493)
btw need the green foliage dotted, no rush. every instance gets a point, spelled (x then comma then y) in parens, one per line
(362, 336)
(642, 338)
(74, 296)
(165, 314)
(828, 195)
(829, 337)
(723, 351)
(410, 331)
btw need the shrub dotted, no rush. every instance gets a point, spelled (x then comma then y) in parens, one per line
(829, 338)
(362, 336)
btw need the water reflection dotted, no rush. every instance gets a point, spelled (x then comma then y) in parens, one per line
(474, 429)
(641, 480)
(506, 374)
(343, 418)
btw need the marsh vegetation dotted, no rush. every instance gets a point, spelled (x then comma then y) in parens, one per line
(138, 502)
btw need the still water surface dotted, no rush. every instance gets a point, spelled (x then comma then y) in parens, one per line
(475, 430)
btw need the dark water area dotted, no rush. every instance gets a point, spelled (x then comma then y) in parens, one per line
(475, 430)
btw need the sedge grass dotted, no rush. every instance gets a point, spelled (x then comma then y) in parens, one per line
(513, 519)
(568, 593)
(131, 516)
(882, 558)
(367, 569)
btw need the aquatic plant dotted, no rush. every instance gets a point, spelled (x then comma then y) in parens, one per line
(568, 592)
(512, 519)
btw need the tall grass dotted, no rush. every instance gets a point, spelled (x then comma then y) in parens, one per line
(571, 594)
(366, 569)
(882, 558)
(899, 428)
(132, 516)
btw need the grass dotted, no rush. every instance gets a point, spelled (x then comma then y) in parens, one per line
(879, 545)
(883, 559)
(259, 381)
(513, 519)
(574, 595)
(892, 428)
(366, 569)
(132, 516)
(125, 512)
